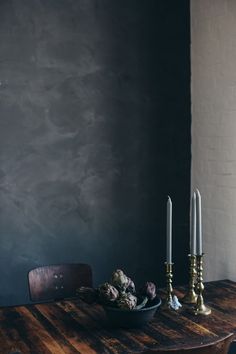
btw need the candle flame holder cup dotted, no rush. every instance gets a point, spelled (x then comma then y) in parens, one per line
(169, 288)
(191, 296)
(200, 308)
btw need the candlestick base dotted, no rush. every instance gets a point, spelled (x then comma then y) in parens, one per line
(172, 304)
(167, 304)
(191, 296)
(202, 310)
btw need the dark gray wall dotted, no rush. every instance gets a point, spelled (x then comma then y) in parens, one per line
(94, 133)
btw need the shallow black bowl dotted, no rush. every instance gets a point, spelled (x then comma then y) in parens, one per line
(131, 318)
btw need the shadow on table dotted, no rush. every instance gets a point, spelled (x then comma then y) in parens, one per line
(232, 348)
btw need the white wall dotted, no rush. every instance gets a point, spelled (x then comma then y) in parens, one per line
(213, 51)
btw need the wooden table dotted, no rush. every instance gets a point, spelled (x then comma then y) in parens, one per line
(74, 327)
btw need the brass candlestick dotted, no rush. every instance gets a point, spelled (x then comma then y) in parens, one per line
(200, 308)
(191, 296)
(169, 288)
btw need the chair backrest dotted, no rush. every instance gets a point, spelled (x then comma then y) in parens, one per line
(220, 346)
(55, 282)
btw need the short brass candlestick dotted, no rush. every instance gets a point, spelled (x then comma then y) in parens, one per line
(200, 308)
(191, 296)
(169, 288)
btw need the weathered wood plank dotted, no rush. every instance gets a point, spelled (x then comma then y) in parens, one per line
(23, 331)
(11, 342)
(53, 331)
(33, 325)
(76, 334)
(97, 315)
(111, 343)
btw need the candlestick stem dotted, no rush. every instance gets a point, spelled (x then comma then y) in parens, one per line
(200, 308)
(191, 296)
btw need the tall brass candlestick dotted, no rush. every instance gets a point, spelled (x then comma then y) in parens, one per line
(191, 296)
(200, 308)
(169, 288)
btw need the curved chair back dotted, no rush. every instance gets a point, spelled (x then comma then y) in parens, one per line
(55, 282)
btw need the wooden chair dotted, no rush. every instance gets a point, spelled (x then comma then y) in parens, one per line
(55, 282)
(220, 346)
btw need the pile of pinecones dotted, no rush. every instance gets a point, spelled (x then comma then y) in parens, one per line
(120, 292)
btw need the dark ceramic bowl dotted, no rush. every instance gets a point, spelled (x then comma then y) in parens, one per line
(131, 318)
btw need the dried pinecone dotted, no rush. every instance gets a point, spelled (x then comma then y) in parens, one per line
(108, 292)
(127, 301)
(119, 280)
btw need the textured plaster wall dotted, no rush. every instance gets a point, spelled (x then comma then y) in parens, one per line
(94, 134)
(213, 57)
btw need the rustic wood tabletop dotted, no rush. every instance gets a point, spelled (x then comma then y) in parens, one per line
(75, 327)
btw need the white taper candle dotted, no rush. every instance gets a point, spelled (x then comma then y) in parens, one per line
(193, 225)
(169, 232)
(198, 223)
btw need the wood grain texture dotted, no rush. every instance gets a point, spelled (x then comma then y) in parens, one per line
(74, 327)
(219, 347)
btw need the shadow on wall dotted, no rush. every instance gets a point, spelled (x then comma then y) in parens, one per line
(95, 132)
